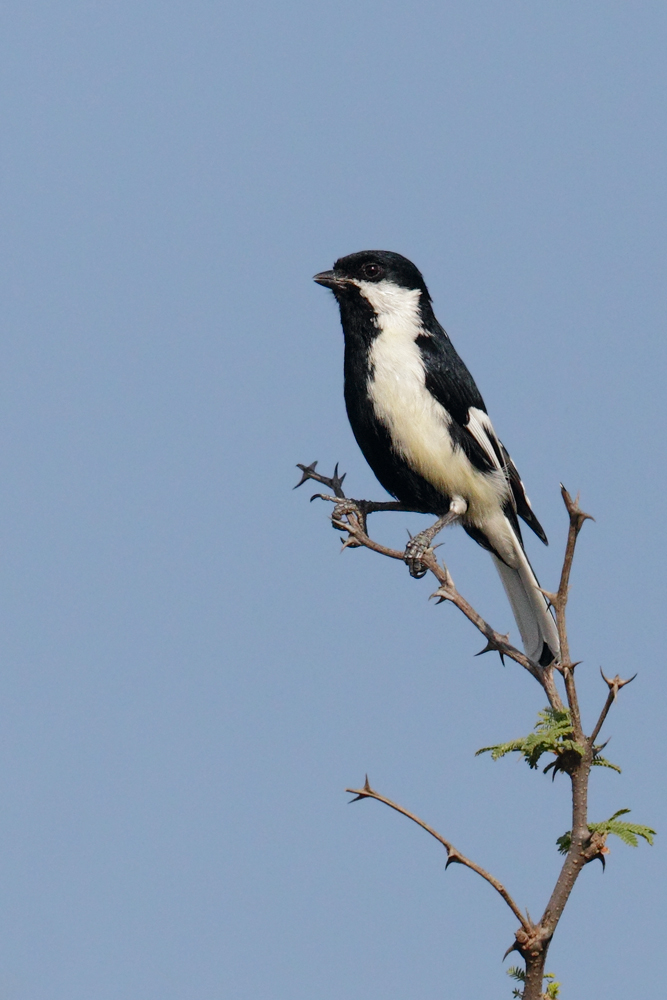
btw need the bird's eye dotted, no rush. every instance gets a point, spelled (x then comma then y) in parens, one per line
(371, 271)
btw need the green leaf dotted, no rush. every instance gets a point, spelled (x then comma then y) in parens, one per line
(564, 843)
(603, 762)
(552, 734)
(627, 832)
(516, 972)
(553, 988)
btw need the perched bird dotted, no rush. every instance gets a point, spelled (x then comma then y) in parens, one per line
(422, 426)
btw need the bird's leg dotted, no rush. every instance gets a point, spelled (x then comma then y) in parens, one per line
(420, 544)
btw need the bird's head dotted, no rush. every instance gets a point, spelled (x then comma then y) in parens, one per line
(379, 276)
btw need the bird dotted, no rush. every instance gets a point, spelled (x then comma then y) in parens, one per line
(422, 426)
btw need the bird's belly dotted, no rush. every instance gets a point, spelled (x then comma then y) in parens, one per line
(419, 430)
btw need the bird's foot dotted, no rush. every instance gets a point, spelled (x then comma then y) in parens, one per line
(415, 551)
(340, 518)
(418, 546)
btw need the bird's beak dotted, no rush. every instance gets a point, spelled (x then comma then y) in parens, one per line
(329, 279)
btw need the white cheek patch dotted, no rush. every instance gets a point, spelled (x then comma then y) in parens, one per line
(394, 306)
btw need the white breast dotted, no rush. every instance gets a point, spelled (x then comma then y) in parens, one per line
(417, 423)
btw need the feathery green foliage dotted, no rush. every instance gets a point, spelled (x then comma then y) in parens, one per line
(553, 988)
(514, 972)
(552, 734)
(603, 762)
(628, 832)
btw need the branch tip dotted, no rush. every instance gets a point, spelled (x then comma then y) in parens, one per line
(615, 684)
(577, 515)
(305, 470)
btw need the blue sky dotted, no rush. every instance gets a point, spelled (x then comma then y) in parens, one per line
(191, 673)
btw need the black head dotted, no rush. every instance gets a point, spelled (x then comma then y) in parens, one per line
(372, 266)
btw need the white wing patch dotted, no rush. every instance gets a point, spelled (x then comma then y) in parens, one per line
(482, 430)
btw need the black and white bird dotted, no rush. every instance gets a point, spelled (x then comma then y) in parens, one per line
(422, 426)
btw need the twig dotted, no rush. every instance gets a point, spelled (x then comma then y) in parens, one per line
(350, 516)
(454, 856)
(614, 686)
(559, 602)
(531, 940)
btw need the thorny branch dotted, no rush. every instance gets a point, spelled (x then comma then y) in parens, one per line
(614, 686)
(453, 855)
(531, 940)
(559, 602)
(350, 516)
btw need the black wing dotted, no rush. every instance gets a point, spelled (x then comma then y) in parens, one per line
(450, 382)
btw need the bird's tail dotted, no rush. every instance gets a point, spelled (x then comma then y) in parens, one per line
(529, 607)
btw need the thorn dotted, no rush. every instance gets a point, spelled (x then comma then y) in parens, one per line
(489, 648)
(441, 597)
(336, 480)
(492, 647)
(453, 858)
(305, 469)
(361, 793)
(551, 598)
(512, 947)
(442, 594)
(573, 507)
(616, 683)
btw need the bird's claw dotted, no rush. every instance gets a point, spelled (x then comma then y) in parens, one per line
(415, 551)
(343, 509)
